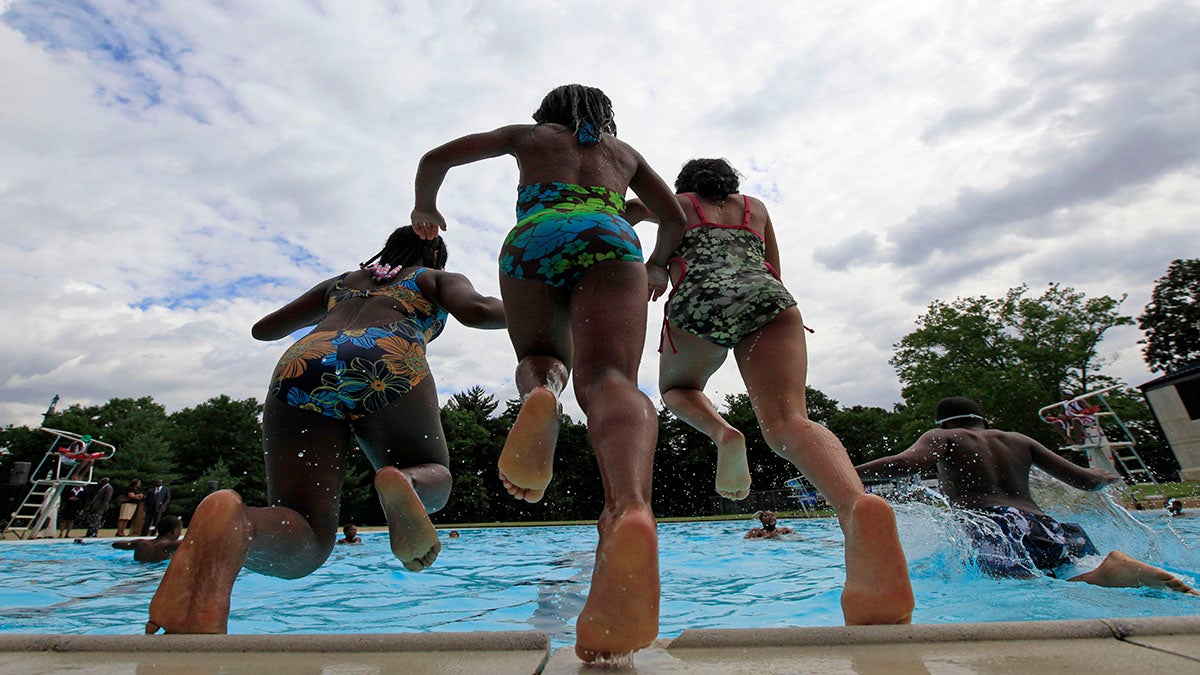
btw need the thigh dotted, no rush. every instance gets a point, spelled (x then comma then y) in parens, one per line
(773, 361)
(539, 319)
(407, 432)
(305, 453)
(687, 360)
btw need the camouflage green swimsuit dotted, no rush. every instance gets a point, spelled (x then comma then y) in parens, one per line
(562, 229)
(727, 290)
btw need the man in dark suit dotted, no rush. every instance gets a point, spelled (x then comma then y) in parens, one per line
(157, 499)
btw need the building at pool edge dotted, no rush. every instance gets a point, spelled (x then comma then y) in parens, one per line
(1174, 400)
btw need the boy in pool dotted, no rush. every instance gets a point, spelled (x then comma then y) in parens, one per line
(572, 271)
(158, 549)
(987, 471)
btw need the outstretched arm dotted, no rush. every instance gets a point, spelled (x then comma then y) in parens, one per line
(432, 169)
(658, 198)
(921, 456)
(455, 292)
(306, 310)
(1068, 472)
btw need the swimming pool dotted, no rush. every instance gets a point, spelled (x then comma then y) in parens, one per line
(536, 578)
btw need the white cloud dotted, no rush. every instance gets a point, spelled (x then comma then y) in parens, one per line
(169, 174)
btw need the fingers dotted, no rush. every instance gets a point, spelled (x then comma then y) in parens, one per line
(427, 230)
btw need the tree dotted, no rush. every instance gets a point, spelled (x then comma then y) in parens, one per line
(1013, 355)
(1171, 319)
(222, 429)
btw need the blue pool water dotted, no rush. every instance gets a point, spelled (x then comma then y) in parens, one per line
(537, 578)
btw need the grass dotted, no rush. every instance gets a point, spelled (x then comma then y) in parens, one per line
(1182, 490)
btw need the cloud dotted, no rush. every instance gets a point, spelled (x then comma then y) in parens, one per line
(169, 173)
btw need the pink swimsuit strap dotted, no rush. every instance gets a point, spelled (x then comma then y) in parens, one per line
(704, 218)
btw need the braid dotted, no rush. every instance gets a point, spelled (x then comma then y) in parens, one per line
(711, 178)
(405, 248)
(586, 111)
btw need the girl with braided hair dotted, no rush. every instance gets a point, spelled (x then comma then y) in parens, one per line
(727, 296)
(359, 378)
(572, 270)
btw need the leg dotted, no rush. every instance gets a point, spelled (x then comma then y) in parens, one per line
(542, 341)
(877, 585)
(407, 447)
(608, 320)
(682, 374)
(289, 539)
(1121, 571)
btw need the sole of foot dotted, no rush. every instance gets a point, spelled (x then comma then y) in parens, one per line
(195, 591)
(526, 464)
(413, 538)
(878, 590)
(621, 613)
(733, 469)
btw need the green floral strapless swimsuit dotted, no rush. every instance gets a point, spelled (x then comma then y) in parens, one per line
(728, 290)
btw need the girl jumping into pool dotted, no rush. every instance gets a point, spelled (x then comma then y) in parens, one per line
(727, 296)
(572, 271)
(359, 378)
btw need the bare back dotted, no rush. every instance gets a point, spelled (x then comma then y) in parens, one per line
(979, 468)
(550, 153)
(727, 212)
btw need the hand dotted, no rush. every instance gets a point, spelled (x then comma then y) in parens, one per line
(656, 276)
(427, 223)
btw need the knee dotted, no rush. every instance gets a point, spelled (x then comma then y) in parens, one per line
(606, 384)
(785, 432)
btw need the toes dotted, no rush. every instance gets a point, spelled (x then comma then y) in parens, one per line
(152, 628)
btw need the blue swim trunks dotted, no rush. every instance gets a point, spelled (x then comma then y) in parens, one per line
(1048, 543)
(563, 229)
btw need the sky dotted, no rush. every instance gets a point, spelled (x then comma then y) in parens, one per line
(172, 171)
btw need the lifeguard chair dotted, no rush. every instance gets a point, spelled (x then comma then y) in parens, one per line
(1090, 425)
(70, 460)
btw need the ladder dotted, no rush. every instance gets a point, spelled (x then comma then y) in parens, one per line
(1102, 452)
(39, 510)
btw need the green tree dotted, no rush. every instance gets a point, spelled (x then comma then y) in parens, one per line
(1171, 320)
(1013, 355)
(221, 429)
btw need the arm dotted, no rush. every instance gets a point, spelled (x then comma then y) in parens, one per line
(306, 310)
(658, 198)
(772, 246)
(434, 165)
(455, 293)
(636, 212)
(922, 455)
(125, 545)
(1068, 472)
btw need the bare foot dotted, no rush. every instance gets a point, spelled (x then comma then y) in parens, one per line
(193, 596)
(621, 613)
(527, 461)
(733, 471)
(877, 588)
(1120, 571)
(413, 537)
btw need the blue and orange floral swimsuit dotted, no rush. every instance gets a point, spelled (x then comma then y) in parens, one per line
(355, 372)
(563, 229)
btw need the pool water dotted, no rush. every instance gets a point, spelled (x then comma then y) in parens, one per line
(536, 578)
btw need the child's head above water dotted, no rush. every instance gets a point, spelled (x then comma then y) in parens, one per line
(587, 111)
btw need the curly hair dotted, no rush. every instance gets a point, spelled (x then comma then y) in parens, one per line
(586, 111)
(404, 248)
(710, 178)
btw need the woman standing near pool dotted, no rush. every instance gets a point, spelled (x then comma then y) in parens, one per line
(359, 378)
(575, 286)
(727, 296)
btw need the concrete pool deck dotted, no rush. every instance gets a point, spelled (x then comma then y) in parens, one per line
(1159, 645)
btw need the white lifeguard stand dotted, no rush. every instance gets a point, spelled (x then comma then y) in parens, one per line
(1096, 421)
(55, 473)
